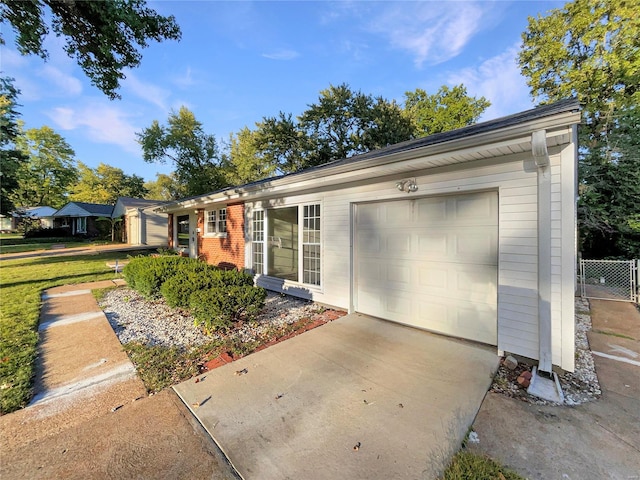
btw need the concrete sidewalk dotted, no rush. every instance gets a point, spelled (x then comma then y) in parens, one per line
(90, 416)
(593, 441)
(357, 398)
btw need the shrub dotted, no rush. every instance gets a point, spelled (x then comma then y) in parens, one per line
(191, 278)
(48, 232)
(178, 289)
(147, 274)
(219, 308)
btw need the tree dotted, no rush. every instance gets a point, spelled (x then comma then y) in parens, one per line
(345, 123)
(281, 143)
(164, 187)
(45, 177)
(590, 49)
(193, 152)
(341, 124)
(10, 157)
(105, 184)
(242, 162)
(104, 37)
(445, 110)
(609, 207)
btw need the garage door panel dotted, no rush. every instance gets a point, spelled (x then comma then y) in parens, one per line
(432, 210)
(436, 269)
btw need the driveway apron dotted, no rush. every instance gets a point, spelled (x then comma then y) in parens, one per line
(356, 398)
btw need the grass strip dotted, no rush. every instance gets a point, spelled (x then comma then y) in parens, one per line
(21, 282)
(466, 465)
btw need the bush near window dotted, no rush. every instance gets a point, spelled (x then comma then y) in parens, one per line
(217, 298)
(147, 274)
(219, 308)
(190, 278)
(48, 232)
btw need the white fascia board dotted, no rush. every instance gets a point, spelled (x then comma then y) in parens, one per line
(344, 172)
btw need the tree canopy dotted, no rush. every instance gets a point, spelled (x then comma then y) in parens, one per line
(10, 157)
(104, 184)
(590, 49)
(183, 142)
(49, 171)
(164, 187)
(341, 124)
(103, 36)
(448, 109)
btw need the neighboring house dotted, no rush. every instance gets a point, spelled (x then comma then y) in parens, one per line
(469, 233)
(43, 215)
(82, 218)
(141, 223)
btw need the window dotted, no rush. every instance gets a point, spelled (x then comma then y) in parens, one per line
(257, 238)
(81, 225)
(183, 231)
(216, 222)
(277, 253)
(311, 245)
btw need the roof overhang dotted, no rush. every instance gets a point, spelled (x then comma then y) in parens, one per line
(401, 159)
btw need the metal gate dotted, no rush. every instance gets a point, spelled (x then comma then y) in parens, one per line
(609, 279)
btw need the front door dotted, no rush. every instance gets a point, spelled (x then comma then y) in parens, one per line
(193, 235)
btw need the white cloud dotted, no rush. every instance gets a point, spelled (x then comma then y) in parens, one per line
(432, 32)
(146, 91)
(101, 123)
(282, 54)
(67, 85)
(499, 80)
(185, 80)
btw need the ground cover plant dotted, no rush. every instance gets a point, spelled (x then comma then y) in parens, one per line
(21, 282)
(466, 465)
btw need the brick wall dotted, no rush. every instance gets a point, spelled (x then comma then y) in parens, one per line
(226, 252)
(170, 232)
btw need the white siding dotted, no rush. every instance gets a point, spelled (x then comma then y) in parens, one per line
(515, 179)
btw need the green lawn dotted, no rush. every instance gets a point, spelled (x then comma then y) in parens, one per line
(21, 245)
(21, 282)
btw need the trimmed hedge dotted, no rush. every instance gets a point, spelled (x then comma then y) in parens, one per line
(178, 289)
(217, 298)
(219, 308)
(147, 274)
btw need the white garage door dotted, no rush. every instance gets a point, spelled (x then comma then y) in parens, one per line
(430, 263)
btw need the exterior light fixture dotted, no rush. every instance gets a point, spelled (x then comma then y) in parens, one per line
(408, 185)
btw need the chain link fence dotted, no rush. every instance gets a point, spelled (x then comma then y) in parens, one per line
(609, 280)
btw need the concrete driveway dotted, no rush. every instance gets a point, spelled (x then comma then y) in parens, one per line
(358, 398)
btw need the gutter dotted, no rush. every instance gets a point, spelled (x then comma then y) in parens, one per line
(544, 382)
(371, 160)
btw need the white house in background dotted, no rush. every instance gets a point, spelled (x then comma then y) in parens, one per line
(81, 218)
(141, 223)
(469, 233)
(44, 216)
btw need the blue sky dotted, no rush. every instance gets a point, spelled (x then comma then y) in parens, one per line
(238, 62)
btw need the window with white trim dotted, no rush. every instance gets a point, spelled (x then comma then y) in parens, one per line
(81, 225)
(257, 238)
(279, 235)
(311, 244)
(216, 222)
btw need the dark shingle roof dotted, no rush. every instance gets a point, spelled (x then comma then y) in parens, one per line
(570, 104)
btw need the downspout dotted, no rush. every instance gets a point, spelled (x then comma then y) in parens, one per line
(541, 157)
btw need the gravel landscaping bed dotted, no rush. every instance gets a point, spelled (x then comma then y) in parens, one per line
(154, 323)
(578, 387)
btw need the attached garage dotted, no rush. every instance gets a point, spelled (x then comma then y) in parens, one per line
(469, 233)
(431, 263)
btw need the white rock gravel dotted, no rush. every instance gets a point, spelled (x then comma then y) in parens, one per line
(155, 323)
(578, 387)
